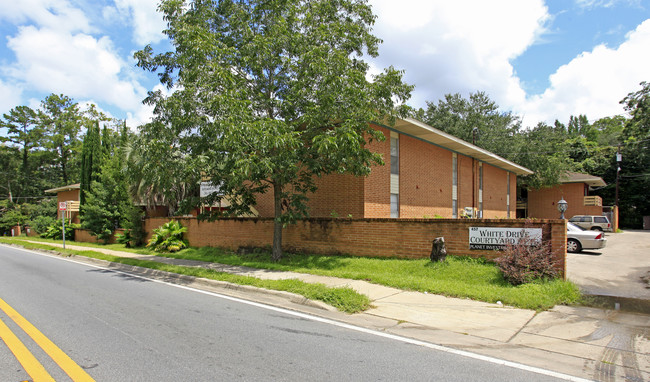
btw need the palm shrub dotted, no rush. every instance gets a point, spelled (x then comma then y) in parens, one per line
(527, 261)
(168, 237)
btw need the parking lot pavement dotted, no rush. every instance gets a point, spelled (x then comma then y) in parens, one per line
(621, 269)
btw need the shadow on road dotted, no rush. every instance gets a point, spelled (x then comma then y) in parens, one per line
(120, 275)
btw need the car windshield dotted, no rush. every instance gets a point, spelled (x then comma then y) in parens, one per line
(573, 227)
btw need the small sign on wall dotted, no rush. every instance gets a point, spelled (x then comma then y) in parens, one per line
(489, 238)
(207, 189)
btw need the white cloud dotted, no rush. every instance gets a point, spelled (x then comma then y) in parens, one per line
(10, 96)
(460, 46)
(142, 15)
(467, 46)
(77, 65)
(144, 113)
(594, 82)
(588, 4)
(56, 14)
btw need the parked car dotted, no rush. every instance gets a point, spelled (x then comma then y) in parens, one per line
(594, 222)
(579, 238)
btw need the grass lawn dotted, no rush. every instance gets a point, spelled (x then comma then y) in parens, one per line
(462, 277)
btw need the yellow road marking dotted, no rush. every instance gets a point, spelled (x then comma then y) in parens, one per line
(23, 355)
(74, 371)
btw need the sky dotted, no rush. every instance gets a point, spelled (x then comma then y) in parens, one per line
(539, 59)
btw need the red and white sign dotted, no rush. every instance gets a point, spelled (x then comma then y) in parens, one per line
(63, 206)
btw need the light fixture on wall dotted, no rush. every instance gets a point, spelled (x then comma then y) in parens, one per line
(562, 205)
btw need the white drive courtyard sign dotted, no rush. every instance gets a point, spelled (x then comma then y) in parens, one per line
(487, 238)
(207, 189)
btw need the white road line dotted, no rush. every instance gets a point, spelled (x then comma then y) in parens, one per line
(395, 337)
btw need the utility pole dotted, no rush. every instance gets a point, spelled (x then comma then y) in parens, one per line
(618, 171)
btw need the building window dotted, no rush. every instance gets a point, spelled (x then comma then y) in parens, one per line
(508, 195)
(454, 185)
(394, 175)
(394, 155)
(394, 205)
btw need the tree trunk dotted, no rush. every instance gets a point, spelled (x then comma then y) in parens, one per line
(276, 255)
(64, 161)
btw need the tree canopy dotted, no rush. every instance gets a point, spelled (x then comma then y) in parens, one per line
(271, 94)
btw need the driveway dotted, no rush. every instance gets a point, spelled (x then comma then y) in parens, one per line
(620, 269)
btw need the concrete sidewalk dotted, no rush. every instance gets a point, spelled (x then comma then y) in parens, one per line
(589, 343)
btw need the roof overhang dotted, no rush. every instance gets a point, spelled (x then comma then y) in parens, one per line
(420, 130)
(576, 177)
(69, 187)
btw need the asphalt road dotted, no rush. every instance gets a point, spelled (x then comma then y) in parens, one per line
(118, 327)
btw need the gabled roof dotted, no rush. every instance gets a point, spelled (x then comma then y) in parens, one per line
(69, 187)
(421, 130)
(576, 177)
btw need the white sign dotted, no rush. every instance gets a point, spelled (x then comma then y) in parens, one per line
(208, 188)
(488, 238)
(63, 206)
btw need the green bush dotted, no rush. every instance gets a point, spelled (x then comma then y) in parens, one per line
(527, 262)
(168, 237)
(134, 234)
(41, 223)
(54, 231)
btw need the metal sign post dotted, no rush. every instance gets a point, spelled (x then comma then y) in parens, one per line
(62, 207)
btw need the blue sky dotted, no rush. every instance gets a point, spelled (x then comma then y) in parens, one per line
(542, 60)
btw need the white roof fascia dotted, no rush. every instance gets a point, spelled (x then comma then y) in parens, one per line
(421, 130)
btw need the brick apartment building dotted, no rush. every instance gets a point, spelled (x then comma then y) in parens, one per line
(427, 173)
(69, 194)
(574, 188)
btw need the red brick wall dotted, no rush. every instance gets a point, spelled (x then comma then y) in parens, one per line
(406, 238)
(376, 186)
(425, 179)
(495, 191)
(65, 196)
(84, 236)
(343, 195)
(337, 194)
(542, 203)
(465, 182)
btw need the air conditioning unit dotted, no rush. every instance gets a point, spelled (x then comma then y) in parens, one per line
(469, 212)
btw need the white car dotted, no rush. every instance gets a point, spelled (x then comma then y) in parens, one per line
(579, 238)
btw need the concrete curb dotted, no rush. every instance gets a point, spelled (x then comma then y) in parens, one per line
(626, 304)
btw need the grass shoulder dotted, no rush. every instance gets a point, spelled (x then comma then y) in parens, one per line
(342, 298)
(461, 277)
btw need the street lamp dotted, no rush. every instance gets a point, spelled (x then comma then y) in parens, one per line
(562, 206)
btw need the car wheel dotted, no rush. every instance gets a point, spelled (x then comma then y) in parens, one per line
(573, 246)
(596, 228)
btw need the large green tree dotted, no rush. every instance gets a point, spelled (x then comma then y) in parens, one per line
(62, 121)
(635, 173)
(91, 159)
(272, 94)
(107, 203)
(476, 119)
(24, 131)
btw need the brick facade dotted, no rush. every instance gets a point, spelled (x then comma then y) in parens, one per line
(425, 185)
(542, 203)
(66, 196)
(425, 180)
(404, 238)
(376, 186)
